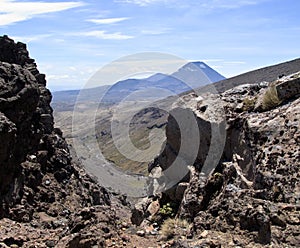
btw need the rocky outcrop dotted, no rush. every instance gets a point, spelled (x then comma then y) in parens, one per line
(27, 115)
(253, 192)
(46, 198)
(288, 87)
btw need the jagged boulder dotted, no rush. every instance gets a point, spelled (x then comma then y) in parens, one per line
(288, 87)
(260, 167)
(254, 187)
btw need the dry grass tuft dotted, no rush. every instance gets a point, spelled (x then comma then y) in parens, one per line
(249, 103)
(173, 227)
(270, 98)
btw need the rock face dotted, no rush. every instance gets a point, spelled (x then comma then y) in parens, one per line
(288, 87)
(26, 114)
(46, 199)
(253, 193)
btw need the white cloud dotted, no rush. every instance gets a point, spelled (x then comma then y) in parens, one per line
(108, 20)
(28, 39)
(229, 4)
(140, 2)
(62, 76)
(16, 11)
(57, 77)
(156, 31)
(222, 62)
(207, 4)
(234, 62)
(101, 34)
(212, 60)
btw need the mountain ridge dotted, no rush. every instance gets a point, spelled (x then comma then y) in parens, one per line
(267, 73)
(172, 84)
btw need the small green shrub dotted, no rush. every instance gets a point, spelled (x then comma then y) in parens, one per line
(168, 210)
(217, 175)
(270, 98)
(172, 227)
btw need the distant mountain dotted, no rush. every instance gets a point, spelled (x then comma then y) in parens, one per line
(190, 76)
(196, 74)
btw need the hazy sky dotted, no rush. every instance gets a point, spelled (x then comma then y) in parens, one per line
(70, 40)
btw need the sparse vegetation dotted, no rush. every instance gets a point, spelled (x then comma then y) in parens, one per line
(172, 227)
(270, 98)
(249, 103)
(168, 210)
(216, 179)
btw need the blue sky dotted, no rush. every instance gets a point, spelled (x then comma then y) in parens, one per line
(71, 40)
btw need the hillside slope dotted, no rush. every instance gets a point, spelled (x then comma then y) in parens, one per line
(268, 74)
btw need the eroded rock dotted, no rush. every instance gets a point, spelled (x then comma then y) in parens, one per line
(45, 197)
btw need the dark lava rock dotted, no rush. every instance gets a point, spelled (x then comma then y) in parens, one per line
(39, 182)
